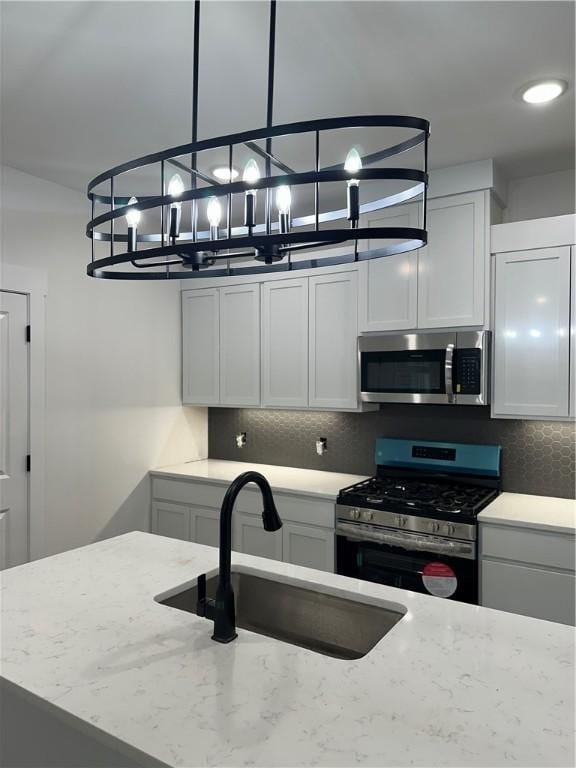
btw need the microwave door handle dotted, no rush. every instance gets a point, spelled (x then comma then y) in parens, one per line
(448, 369)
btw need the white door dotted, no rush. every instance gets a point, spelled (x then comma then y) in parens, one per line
(200, 344)
(240, 345)
(14, 388)
(452, 267)
(333, 341)
(285, 343)
(309, 546)
(389, 286)
(531, 333)
(250, 537)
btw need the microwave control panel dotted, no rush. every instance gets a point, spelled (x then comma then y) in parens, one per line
(468, 371)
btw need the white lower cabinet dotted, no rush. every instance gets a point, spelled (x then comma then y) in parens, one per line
(205, 526)
(249, 537)
(309, 546)
(528, 571)
(171, 520)
(530, 591)
(191, 511)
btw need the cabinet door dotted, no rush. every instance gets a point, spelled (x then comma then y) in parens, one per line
(250, 537)
(531, 333)
(171, 520)
(452, 267)
(309, 546)
(543, 594)
(285, 343)
(240, 345)
(333, 341)
(200, 344)
(205, 526)
(389, 286)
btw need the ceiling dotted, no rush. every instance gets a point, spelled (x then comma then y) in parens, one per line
(87, 85)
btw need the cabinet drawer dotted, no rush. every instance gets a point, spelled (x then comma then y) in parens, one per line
(528, 591)
(187, 492)
(527, 546)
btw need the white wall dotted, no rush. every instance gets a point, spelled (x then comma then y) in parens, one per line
(535, 197)
(113, 371)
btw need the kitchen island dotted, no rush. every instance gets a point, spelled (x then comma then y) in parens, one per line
(102, 674)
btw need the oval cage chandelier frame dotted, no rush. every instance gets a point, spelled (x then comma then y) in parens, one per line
(223, 251)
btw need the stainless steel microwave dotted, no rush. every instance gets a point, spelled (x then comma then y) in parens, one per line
(439, 367)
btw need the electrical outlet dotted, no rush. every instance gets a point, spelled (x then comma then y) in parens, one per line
(321, 445)
(240, 440)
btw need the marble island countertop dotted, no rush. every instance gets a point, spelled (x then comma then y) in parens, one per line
(310, 482)
(451, 684)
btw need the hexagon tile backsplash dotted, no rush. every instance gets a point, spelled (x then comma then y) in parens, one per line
(537, 456)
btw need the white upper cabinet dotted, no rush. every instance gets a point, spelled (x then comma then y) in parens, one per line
(532, 333)
(240, 345)
(333, 341)
(285, 343)
(389, 286)
(452, 268)
(200, 347)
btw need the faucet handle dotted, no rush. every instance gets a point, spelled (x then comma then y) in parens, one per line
(201, 595)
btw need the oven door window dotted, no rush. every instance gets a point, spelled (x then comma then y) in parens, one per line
(425, 572)
(406, 371)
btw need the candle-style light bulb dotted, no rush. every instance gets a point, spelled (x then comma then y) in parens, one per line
(283, 203)
(353, 164)
(175, 189)
(251, 172)
(214, 213)
(132, 219)
(250, 176)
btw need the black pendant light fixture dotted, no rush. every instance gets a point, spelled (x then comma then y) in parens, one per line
(268, 237)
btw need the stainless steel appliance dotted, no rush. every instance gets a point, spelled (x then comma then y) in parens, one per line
(447, 368)
(414, 525)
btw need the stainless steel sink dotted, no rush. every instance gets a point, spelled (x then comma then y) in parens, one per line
(334, 626)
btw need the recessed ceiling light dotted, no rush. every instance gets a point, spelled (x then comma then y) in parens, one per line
(223, 173)
(543, 91)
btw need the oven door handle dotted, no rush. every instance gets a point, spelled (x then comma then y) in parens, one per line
(408, 541)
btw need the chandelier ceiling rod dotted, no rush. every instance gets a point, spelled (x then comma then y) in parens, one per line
(270, 105)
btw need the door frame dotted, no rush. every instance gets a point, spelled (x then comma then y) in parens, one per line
(32, 283)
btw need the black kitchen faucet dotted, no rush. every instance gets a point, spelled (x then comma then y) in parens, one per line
(221, 610)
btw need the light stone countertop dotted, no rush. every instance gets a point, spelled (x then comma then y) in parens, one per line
(450, 685)
(308, 482)
(547, 513)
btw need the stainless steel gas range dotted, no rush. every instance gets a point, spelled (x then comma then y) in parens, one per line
(414, 524)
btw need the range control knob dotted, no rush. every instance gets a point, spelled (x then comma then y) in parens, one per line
(434, 526)
(401, 521)
(367, 515)
(450, 529)
(354, 514)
